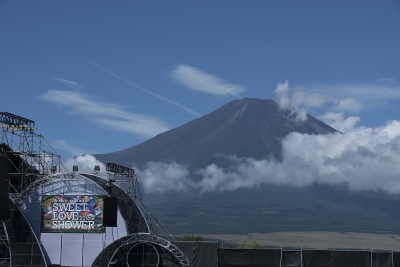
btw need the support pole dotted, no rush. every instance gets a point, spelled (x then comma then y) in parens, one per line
(301, 255)
(83, 246)
(61, 249)
(371, 257)
(392, 259)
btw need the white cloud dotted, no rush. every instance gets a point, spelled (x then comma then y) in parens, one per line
(368, 94)
(69, 83)
(85, 163)
(106, 114)
(362, 158)
(385, 80)
(201, 81)
(339, 98)
(61, 144)
(186, 109)
(348, 104)
(338, 122)
(286, 102)
(307, 99)
(161, 177)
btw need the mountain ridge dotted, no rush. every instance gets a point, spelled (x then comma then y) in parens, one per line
(245, 128)
(252, 128)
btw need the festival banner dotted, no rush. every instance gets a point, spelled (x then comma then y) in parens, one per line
(72, 214)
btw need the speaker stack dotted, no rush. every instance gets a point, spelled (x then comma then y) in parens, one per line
(4, 209)
(110, 212)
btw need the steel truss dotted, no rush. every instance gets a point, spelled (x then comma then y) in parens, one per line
(30, 161)
(134, 219)
(5, 249)
(33, 166)
(29, 155)
(117, 250)
(70, 180)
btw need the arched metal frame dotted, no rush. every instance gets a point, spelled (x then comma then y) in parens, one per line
(33, 164)
(110, 252)
(136, 224)
(19, 198)
(24, 245)
(142, 243)
(134, 219)
(5, 241)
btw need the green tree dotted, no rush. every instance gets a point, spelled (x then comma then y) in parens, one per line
(193, 238)
(252, 244)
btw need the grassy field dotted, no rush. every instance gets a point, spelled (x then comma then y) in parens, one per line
(316, 208)
(315, 240)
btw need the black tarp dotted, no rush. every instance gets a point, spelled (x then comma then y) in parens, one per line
(291, 259)
(317, 258)
(305, 258)
(248, 257)
(351, 259)
(396, 259)
(332, 258)
(200, 254)
(382, 259)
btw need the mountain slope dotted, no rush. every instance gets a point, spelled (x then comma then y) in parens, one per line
(245, 128)
(253, 128)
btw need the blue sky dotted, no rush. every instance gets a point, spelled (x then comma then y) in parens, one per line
(100, 76)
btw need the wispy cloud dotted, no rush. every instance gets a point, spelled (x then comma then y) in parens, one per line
(69, 83)
(385, 80)
(61, 144)
(106, 114)
(169, 101)
(367, 94)
(186, 109)
(337, 121)
(201, 81)
(338, 98)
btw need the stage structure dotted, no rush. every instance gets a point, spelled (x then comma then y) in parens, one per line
(52, 217)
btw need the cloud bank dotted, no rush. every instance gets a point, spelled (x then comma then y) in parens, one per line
(201, 81)
(106, 114)
(361, 158)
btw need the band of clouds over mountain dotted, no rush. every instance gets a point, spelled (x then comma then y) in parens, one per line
(106, 114)
(201, 81)
(361, 159)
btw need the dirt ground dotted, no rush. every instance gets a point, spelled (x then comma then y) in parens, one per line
(317, 240)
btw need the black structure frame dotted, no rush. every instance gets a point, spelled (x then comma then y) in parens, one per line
(32, 164)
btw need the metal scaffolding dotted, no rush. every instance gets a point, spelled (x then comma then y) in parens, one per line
(29, 158)
(32, 167)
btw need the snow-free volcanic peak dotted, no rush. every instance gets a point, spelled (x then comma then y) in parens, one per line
(248, 128)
